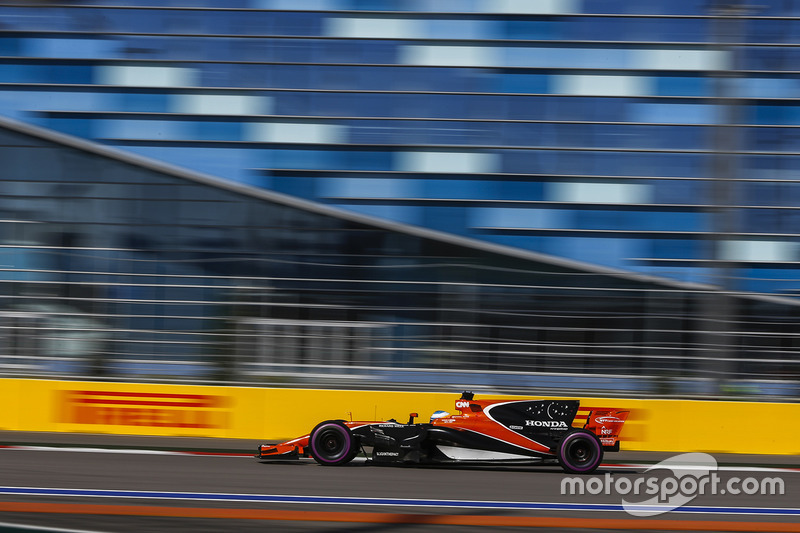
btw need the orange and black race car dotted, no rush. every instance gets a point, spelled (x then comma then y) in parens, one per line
(527, 431)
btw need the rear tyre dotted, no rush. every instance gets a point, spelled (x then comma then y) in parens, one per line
(580, 452)
(332, 443)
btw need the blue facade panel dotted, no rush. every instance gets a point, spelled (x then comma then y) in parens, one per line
(463, 116)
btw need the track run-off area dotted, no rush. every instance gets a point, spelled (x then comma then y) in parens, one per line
(109, 487)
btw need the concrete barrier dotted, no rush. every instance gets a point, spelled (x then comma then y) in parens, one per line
(276, 414)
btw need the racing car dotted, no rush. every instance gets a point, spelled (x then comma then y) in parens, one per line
(484, 431)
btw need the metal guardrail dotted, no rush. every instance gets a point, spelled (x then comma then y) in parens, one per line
(501, 336)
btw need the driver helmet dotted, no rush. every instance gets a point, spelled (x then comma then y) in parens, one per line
(439, 414)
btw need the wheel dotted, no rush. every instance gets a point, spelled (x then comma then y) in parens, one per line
(332, 443)
(580, 452)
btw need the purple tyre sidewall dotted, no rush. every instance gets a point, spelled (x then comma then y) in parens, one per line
(588, 467)
(342, 430)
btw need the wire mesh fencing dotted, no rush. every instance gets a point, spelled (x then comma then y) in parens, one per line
(425, 326)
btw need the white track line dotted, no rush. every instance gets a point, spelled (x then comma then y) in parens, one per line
(130, 451)
(44, 529)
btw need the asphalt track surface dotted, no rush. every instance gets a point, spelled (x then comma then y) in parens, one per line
(133, 484)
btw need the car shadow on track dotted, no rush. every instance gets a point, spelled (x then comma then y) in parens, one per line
(486, 467)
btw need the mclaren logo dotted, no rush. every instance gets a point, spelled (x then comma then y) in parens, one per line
(553, 424)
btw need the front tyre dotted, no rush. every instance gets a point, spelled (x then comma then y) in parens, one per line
(332, 443)
(580, 452)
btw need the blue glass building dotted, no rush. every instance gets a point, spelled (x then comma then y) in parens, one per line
(584, 129)
(647, 137)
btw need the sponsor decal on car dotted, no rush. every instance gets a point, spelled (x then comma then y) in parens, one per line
(607, 419)
(552, 424)
(462, 404)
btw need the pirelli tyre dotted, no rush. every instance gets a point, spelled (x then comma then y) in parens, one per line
(331, 443)
(580, 452)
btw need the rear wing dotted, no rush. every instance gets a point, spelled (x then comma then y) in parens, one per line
(604, 422)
